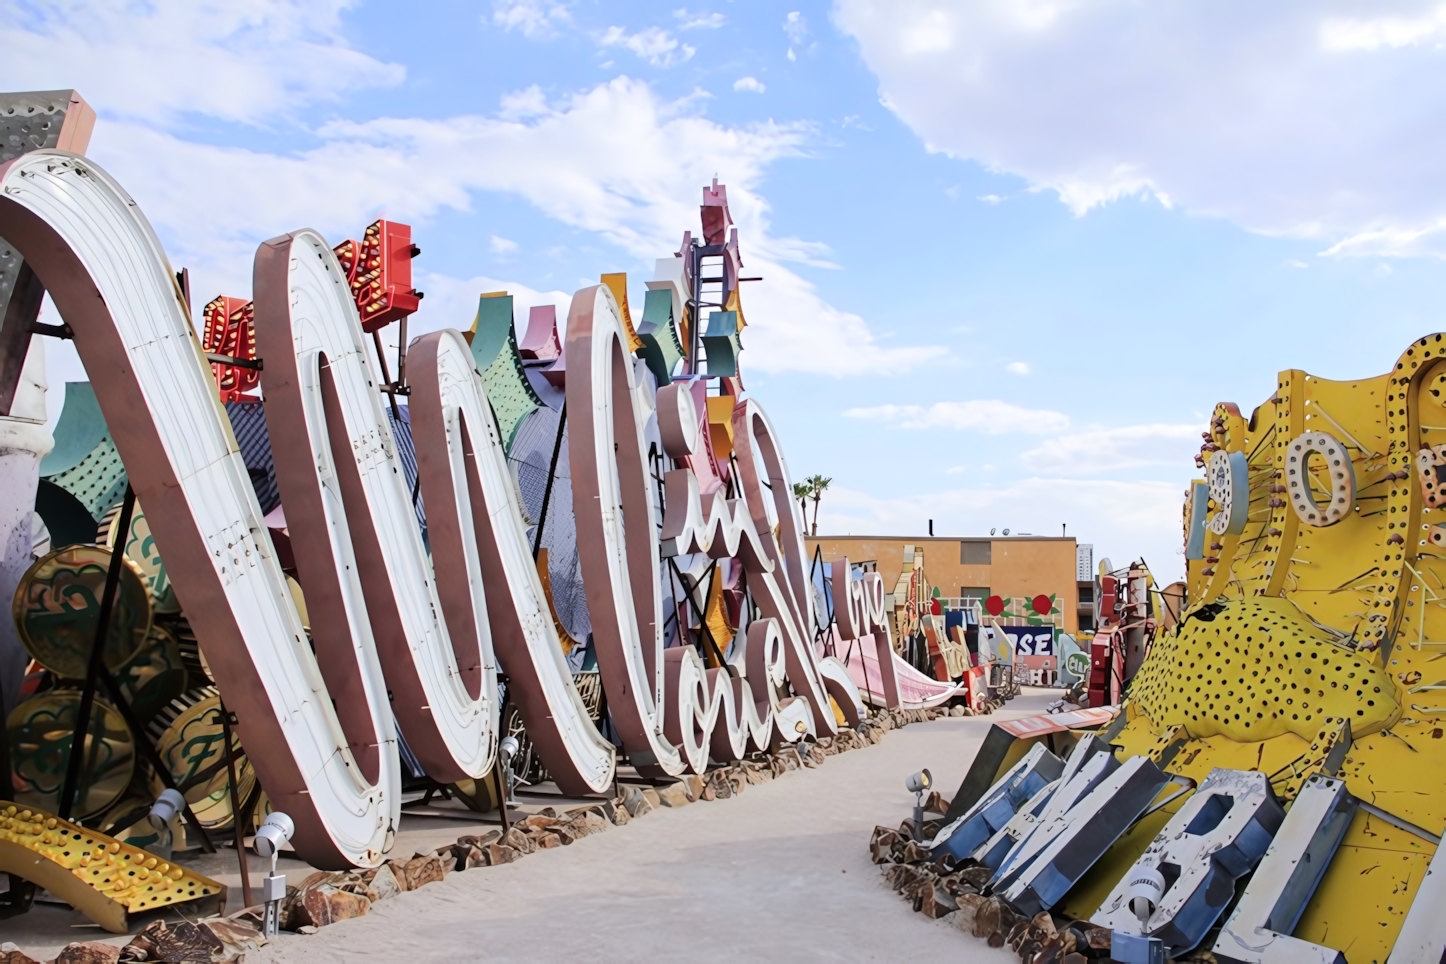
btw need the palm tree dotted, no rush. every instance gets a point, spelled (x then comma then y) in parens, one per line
(817, 485)
(801, 492)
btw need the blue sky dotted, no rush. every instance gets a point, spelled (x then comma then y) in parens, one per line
(1013, 251)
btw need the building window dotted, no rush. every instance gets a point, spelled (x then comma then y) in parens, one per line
(1086, 594)
(968, 595)
(976, 553)
(1086, 623)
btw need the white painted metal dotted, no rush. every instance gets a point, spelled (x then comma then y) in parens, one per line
(326, 329)
(992, 851)
(1230, 488)
(1258, 931)
(1423, 935)
(639, 629)
(1086, 829)
(1213, 839)
(105, 229)
(466, 410)
(1089, 763)
(992, 811)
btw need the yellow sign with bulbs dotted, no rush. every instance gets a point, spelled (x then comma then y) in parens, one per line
(1314, 639)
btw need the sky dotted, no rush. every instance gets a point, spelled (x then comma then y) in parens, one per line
(1012, 253)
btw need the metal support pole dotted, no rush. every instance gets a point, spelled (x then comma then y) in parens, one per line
(547, 489)
(717, 653)
(240, 831)
(501, 793)
(97, 658)
(402, 358)
(702, 618)
(163, 772)
(388, 387)
(7, 788)
(696, 263)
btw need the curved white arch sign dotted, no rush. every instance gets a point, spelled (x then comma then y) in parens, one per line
(403, 635)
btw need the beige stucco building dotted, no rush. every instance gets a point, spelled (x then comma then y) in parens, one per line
(1009, 566)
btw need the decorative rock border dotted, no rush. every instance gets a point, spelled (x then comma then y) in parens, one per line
(217, 940)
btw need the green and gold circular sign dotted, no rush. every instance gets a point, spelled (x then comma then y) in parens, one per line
(189, 738)
(1077, 664)
(41, 730)
(154, 676)
(140, 548)
(57, 605)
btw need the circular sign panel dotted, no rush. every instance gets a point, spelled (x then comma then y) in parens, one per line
(1077, 664)
(1229, 477)
(41, 731)
(57, 605)
(155, 676)
(140, 548)
(189, 737)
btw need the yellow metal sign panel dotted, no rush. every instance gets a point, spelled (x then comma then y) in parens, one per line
(1326, 608)
(101, 877)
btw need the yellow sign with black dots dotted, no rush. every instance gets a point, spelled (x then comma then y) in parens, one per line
(1314, 636)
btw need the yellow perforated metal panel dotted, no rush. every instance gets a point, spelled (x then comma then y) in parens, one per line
(100, 876)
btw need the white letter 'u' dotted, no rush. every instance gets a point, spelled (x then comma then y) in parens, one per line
(321, 740)
(104, 268)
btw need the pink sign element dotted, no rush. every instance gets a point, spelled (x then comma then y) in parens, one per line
(1059, 722)
(541, 342)
(862, 632)
(911, 689)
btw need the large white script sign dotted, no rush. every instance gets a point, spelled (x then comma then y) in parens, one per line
(405, 632)
(106, 272)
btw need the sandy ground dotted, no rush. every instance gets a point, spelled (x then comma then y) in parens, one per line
(780, 872)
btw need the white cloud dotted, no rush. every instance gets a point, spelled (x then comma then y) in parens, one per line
(699, 21)
(988, 415)
(750, 83)
(989, 198)
(1285, 118)
(1123, 520)
(522, 104)
(1338, 34)
(653, 44)
(1017, 368)
(503, 246)
(452, 302)
(796, 27)
(615, 160)
(1103, 450)
(537, 19)
(254, 62)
